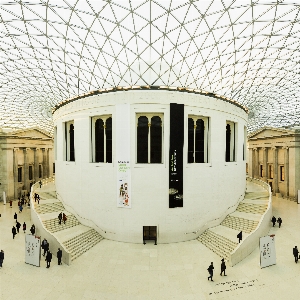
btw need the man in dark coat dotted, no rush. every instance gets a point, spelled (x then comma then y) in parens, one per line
(14, 231)
(24, 227)
(18, 225)
(223, 267)
(48, 258)
(240, 236)
(1, 258)
(279, 221)
(32, 229)
(59, 255)
(59, 218)
(273, 220)
(211, 271)
(295, 253)
(16, 217)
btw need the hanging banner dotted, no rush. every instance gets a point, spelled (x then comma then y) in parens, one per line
(176, 155)
(267, 251)
(123, 155)
(32, 250)
(4, 198)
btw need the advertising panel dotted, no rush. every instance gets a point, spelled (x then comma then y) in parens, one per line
(32, 250)
(267, 251)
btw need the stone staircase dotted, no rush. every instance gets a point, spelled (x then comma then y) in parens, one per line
(53, 225)
(240, 224)
(82, 243)
(252, 208)
(217, 243)
(49, 207)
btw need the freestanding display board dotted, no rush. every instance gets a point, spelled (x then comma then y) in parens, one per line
(267, 251)
(32, 250)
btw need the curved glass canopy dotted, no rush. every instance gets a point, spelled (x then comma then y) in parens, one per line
(246, 50)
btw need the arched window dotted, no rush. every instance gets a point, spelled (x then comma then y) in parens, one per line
(149, 138)
(69, 141)
(102, 139)
(230, 141)
(198, 139)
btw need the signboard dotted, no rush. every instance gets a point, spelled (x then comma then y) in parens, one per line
(32, 250)
(123, 185)
(267, 251)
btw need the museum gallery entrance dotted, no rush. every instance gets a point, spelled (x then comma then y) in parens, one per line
(150, 233)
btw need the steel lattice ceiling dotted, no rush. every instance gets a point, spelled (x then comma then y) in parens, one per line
(245, 50)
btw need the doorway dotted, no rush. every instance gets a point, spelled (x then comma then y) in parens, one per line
(150, 233)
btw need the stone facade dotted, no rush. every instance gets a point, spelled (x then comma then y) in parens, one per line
(26, 156)
(274, 157)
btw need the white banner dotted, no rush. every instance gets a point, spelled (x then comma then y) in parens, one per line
(32, 250)
(4, 198)
(267, 251)
(123, 155)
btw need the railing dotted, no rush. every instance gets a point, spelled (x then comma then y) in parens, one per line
(42, 231)
(252, 240)
(217, 221)
(84, 221)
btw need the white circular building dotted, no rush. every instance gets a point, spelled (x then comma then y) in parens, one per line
(132, 157)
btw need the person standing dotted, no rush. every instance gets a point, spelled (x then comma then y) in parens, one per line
(20, 208)
(48, 258)
(10, 203)
(24, 227)
(14, 231)
(211, 271)
(223, 267)
(18, 225)
(295, 253)
(45, 246)
(16, 217)
(40, 182)
(273, 220)
(1, 258)
(64, 218)
(59, 256)
(279, 221)
(59, 218)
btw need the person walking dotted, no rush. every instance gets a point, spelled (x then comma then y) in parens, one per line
(223, 267)
(10, 203)
(279, 221)
(48, 258)
(45, 246)
(211, 271)
(60, 218)
(295, 253)
(14, 231)
(18, 225)
(32, 229)
(40, 182)
(24, 227)
(64, 218)
(1, 258)
(273, 220)
(20, 208)
(16, 217)
(59, 256)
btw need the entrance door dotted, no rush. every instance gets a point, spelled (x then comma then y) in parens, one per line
(150, 233)
(270, 183)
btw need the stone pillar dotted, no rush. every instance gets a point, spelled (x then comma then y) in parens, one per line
(286, 170)
(26, 169)
(275, 164)
(255, 166)
(265, 164)
(44, 175)
(16, 184)
(36, 165)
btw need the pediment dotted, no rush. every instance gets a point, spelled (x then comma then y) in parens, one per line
(32, 133)
(270, 133)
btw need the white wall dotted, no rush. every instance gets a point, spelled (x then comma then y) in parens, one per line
(91, 188)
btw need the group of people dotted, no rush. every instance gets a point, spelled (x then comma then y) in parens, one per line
(37, 198)
(279, 221)
(62, 217)
(211, 269)
(16, 228)
(48, 255)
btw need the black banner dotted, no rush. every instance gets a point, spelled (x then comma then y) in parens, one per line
(176, 155)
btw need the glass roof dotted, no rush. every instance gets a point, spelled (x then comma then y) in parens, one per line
(246, 50)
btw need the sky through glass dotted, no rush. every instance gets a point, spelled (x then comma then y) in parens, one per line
(54, 50)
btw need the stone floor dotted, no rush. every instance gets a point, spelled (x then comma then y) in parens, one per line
(115, 270)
